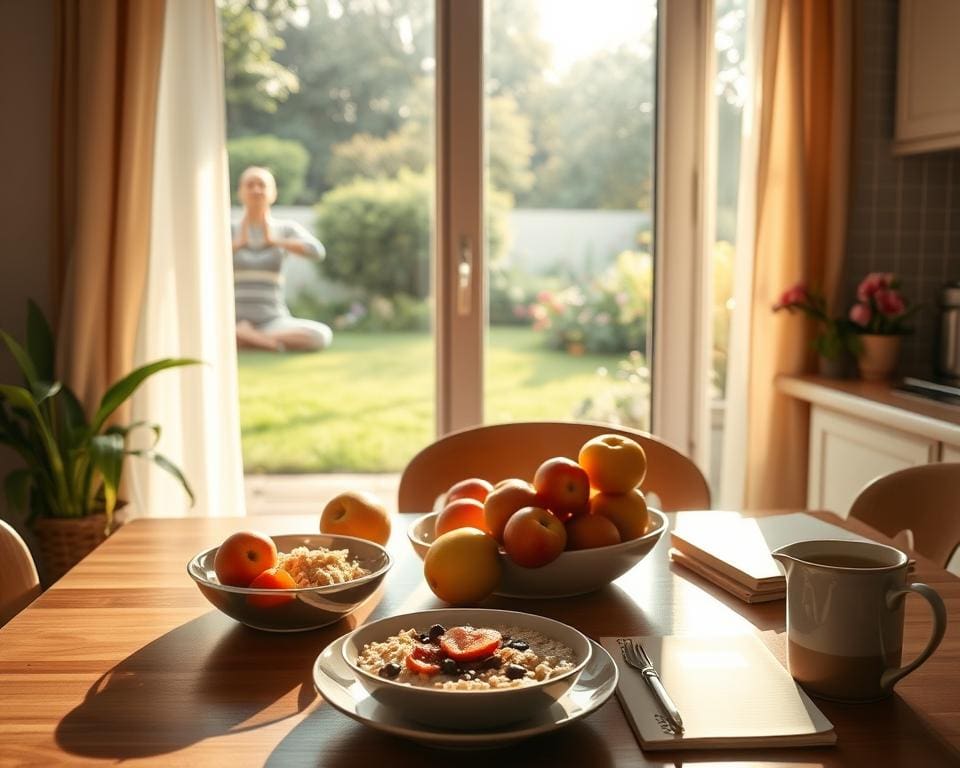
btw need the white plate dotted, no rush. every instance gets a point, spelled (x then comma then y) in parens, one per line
(338, 685)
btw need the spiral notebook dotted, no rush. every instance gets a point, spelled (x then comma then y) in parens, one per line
(730, 690)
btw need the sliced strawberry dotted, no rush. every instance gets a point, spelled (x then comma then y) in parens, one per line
(469, 644)
(421, 667)
(430, 654)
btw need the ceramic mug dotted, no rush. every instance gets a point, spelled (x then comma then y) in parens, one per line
(845, 617)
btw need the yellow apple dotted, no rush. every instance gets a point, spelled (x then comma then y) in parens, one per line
(356, 513)
(463, 566)
(614, 463)
(627, 511)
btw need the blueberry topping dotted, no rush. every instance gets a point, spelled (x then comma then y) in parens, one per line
(424, 638)
(491, 662)
(437, 630)
(390, 670)
(449, 667)
(519, 645)
(515, 671)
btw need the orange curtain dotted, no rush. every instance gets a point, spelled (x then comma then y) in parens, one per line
(106, 83)
(802, 182)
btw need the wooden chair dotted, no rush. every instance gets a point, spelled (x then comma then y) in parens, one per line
(499, 451)
(19, 584)
(919, 507)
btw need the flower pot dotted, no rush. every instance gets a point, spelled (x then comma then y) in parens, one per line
(832, 367)
(62, 542)
(879, 354)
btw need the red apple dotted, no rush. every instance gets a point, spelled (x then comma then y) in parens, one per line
(507, 497)
(589, 531)
(563, 486)
(244, 556)
(534, 537)
(627, 511)
(471, 488)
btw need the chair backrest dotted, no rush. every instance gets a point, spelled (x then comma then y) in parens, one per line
(19, 583)
(499, 451)
(924, 500)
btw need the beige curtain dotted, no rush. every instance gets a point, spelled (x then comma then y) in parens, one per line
(801, 209)
(106, 80)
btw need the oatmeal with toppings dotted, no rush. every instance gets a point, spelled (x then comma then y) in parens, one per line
(320, 567)
(467, 658)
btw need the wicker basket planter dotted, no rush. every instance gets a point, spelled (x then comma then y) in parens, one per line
(62, 542)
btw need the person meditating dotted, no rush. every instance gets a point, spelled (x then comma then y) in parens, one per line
(260, 244)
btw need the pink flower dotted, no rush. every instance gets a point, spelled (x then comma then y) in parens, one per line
(861, 314)
(872, 283)
(889, 302)
(544, 296)
(792, 297)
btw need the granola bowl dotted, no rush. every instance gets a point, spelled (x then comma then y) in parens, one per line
(572, 573)
(303, 608)
(479, 695)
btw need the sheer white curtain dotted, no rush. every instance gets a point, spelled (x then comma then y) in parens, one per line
(188, 304)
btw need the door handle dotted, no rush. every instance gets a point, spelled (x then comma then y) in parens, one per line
(464, 275)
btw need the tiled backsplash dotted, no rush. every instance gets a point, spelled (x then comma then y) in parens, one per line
(904, 212)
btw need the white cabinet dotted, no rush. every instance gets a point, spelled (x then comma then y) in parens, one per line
(928, 71)
(847, 452)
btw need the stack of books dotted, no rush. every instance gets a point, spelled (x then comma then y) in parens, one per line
(733, 551)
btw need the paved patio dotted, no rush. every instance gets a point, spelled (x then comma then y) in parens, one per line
(308, 494)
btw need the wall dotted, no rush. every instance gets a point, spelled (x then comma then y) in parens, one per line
(26, 82)
(904, 211)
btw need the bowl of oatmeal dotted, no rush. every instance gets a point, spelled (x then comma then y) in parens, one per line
(334, 575)
(467, 668)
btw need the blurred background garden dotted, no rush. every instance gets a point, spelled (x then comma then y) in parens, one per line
(336, 97)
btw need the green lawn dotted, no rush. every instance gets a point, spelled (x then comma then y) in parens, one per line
(366, 404)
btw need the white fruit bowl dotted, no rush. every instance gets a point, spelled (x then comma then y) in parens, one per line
(466, 710)
(572, 573)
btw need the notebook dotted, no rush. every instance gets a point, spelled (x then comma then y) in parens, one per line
(733, 552)
(729, 689)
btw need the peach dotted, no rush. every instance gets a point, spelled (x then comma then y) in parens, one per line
(356, 513)
(563, 486)
(614, 463)
(507, 497)
(461, 513)
(533, 537)
(463, 566)
(627, 511)
(472, 488)
(589, 531)
(272, 578)
(243, 556)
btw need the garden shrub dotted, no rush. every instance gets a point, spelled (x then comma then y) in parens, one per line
(287, 160)
(377, 233)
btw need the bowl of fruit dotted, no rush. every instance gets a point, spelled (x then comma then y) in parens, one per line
(289, 583)
(466, 668)
(578, 526)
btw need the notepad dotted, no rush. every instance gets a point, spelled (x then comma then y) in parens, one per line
(729, 689)
(733, 551)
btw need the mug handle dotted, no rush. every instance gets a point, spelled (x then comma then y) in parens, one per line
(891, 676)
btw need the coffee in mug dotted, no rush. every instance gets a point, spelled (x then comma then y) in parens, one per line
(845, 617)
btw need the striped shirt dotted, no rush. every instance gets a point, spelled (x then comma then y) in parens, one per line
(257, 278)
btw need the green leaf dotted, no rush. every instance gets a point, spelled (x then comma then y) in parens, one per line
(114, 397)
(164, 463)
(42, 390)
(107, 454)
(22, 358)
(40, 344)
(17, 488)
(124, 431)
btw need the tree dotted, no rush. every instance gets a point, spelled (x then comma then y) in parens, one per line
(251, 39)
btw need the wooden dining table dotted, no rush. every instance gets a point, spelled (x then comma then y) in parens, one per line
(124, 661)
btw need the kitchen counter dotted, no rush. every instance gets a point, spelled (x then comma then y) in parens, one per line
(878, 401)
(861, 430)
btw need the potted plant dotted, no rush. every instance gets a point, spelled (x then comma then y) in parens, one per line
(72, 465)
(835, 335)
(879, 317)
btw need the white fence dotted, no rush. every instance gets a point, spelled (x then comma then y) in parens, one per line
(538, 241)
